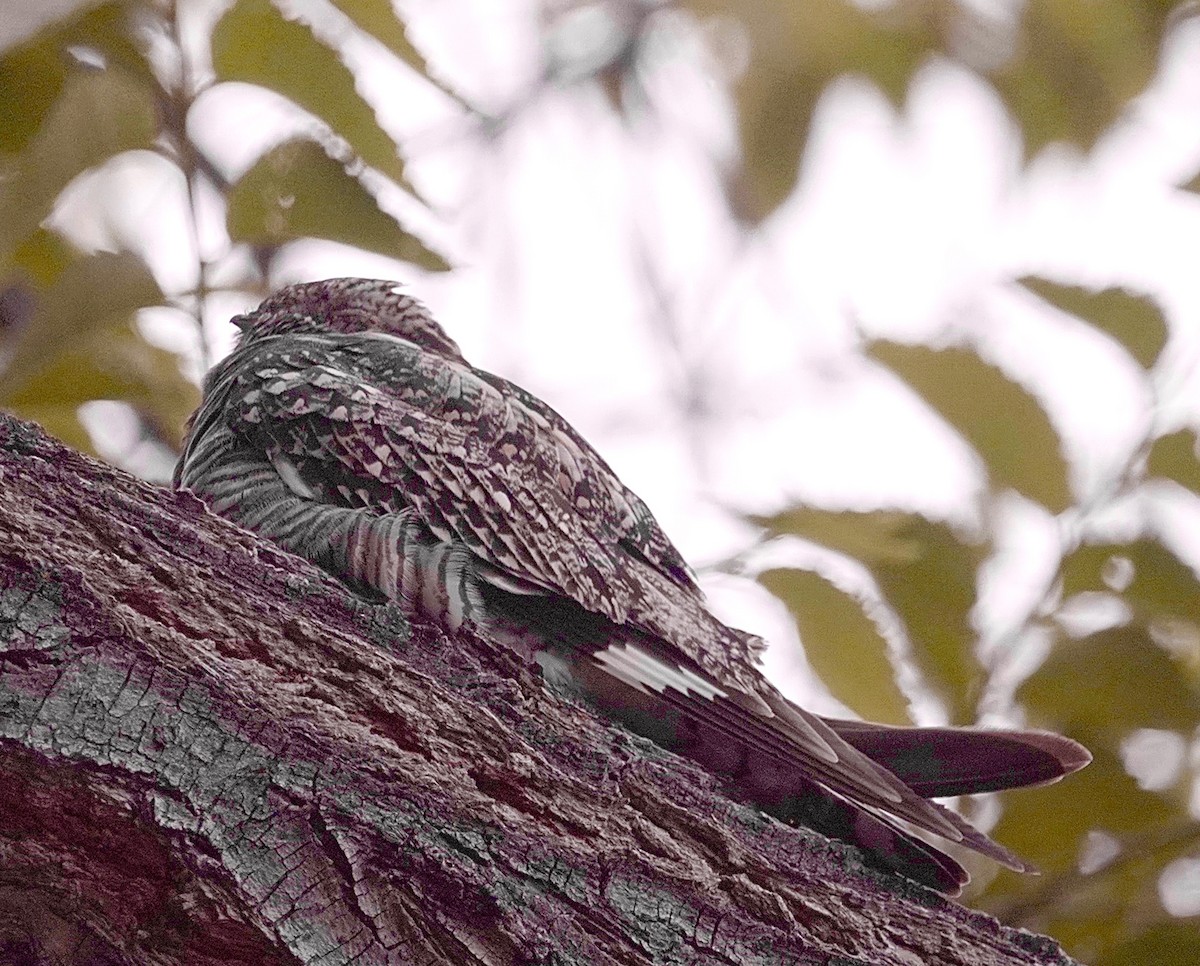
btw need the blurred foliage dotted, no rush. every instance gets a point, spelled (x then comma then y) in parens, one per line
(253, 43)
(78, 344)
(1064, 68)
(1176, 456)
(296, 190)
(860, 668)
(1139, 670)
(907, 555)
(1003, 421)
(116, 77)
(1133, 321)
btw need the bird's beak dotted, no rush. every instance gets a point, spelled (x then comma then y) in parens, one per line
(241, 321)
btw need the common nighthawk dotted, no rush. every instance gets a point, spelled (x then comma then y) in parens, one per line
(348, 428)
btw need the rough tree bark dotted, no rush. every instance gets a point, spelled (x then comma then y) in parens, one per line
(212, 753)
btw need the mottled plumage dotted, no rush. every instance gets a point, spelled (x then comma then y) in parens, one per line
(347, 427)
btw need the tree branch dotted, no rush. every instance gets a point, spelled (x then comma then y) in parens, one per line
(211, 753)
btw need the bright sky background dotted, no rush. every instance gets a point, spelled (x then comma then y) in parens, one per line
(901, 226)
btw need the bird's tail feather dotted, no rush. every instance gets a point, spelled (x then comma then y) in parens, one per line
(866, 784)
(938, 762)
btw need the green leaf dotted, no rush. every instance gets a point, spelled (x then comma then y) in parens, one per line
(32, 73)
(378, 18)
(80, 345)
(1001, 419)
(1049, 825)
(796, 49)
(113, 363)
(63, 423)
(297, 191)
(926, 573)
(874, 537)
(1109, 684)
(1078, 67)
(1176, 456)
(1173, 942)
(843, 645)
(1134, 321)
(98, 115)
(1161, 585)
(89, 294)
(255, 44)
(31, 78)
(43, 257)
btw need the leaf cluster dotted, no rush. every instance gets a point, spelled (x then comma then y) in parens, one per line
(1065, 69)
(125, 78)
(1118, 623)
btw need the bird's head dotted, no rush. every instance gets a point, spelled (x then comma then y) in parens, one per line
(347, 305)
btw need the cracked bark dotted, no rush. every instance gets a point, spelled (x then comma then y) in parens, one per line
(211, 753)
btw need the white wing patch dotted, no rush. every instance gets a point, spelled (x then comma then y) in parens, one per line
(642, 670)
(291, 476)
